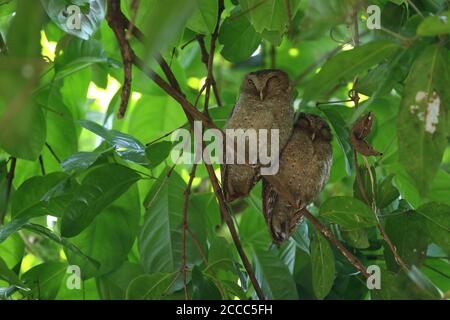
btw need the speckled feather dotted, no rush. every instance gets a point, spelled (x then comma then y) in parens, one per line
(304, 169)
(265, 102)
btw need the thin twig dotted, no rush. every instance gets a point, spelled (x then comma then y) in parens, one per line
(53, 153)
(212, 50)
(187, 194)
(415, 8)
(289, 12)
(134, 8)
(205, 60)
(41, 164)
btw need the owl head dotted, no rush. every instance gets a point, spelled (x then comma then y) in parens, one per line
(266, 84)
(315, 126)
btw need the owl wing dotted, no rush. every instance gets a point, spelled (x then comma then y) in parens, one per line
(269, 197)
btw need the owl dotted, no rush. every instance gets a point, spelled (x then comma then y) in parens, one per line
(265, 102)
(304, 169)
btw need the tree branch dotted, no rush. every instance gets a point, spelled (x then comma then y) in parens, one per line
(115, 22)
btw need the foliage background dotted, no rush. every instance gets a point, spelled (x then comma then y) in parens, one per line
(89, 190)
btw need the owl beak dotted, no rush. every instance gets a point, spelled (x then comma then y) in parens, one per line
(261, 95)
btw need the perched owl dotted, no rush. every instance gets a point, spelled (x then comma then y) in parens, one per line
(265, 102)
(304, 169)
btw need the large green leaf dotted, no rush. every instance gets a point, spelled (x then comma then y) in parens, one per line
(386, 192)
(271, 15)
(22, 121)
(435, 25)
(422, 123)
(349, 213)
(92, 13)
(160, 243)
(109, 237)
(273, 276)
(408, 235)
(34, 197)
(99, 189)
(437, 222)
(45, 279)
(323, 269)
(75, 54)
(113, 286)
(9, 276)
(342, 133)
(347, 64)
(150, 286)
(204, 18)
(203, 288)
(239, 39)
(12, 250)
(126, 146)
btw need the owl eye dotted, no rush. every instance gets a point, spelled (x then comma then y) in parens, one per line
(250, 82)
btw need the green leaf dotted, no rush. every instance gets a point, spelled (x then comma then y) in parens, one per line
(399, 287)
(21, 119)
(45, 279)
(100, 188)
(437, 223)
(356, 238)
(10, 228)
(435, 25)
(366, 184)
(204, 18)
(92, 13)
(274, 277)
(407, 234)
(63, 242)
(80, 161)
(75, 54)
(269, 15)
(12, 250)
(110, 236)
(113, 286)
(34, 196)
(126, 146)
(202, 288)
(424, 283)
(150, 286)
(9, 276)
(422, 124)
(386, 192)
(345, 65)
(323, 269)
(239, 39)
(158, 152)
(347, 212)
(301, 237)
(168, 17)
(342, 133)
(160, 237)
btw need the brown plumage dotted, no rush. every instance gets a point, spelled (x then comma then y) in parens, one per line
(304, 169)
(265, 102)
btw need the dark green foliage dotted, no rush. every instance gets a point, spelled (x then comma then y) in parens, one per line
(98, 194)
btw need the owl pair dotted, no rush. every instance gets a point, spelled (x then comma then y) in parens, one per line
(265, 102)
